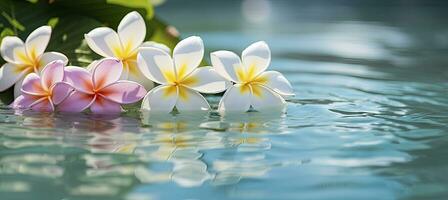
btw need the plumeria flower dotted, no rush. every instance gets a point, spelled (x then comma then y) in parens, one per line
(253, 85)
(180, 78)
(123, 45)
(43, 92)
(25, 58)
(100, 90)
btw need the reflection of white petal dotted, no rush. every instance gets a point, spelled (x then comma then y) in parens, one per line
(186, 153)
(147, 176)
(226, 178)
(190, 173)
(249, 168)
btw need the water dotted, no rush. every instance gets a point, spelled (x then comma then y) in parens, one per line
(369, 120)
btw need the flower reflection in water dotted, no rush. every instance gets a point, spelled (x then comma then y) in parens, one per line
(175, 139)
(105, 155)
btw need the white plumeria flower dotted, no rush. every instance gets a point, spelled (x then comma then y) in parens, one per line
(180, 78)
(123, 45)
(253, 86)
(26, 57)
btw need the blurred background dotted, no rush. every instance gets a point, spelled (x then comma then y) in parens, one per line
(383, 32)
(369, 119)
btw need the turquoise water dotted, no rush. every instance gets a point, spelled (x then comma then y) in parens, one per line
(369, 119)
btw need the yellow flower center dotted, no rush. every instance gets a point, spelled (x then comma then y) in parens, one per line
(179, 82)
(181, 78)
(127, 55)
(250, 80)
(30, 63)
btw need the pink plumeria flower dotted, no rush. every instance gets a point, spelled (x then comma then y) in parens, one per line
(23, 58)
(42, 93)
(100, 90)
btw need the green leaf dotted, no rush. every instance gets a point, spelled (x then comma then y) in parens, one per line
(135, 4)
(70, 20)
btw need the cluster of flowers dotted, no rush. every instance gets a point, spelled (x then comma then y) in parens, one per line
(43, 82)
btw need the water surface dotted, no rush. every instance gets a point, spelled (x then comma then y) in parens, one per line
(369, 119)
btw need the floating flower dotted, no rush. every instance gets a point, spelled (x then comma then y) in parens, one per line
(100, 90)
(42, 93)
(253, 85)
(180, 78)
(123, 45)
(25, 58)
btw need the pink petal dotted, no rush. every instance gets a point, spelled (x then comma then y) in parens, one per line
(79, 78)
(60, 91)
(32, 85)
(123, 92)
(102, 105)
(106, 72)
(24, 101)
(76, 102)
(52, 73)
(43, 105)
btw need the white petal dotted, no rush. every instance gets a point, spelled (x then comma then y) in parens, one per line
(236, 99)
(206, 80)
(37, 41)
(13, 50)
(276, 81)
(134, 74)
(264, 98)
(104, 41)
(190, 100)
(92, 65)
(187, 55)
(160, 99)
(132, 31)
(227, 63)
(18, 88)
(256, 58)
(125, 72)
(48, 57)
(156, 65)
(157, 45)
(10, 74)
